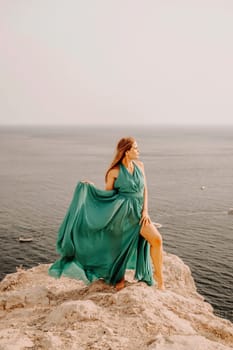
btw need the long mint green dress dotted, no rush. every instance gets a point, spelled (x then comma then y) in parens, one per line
(100, 234)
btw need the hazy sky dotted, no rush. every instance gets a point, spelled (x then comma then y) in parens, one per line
(116, 62)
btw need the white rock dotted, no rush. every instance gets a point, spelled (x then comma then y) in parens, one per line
(181, 342)
(40, 312)
(18, 299)
(74, 311)
(14, 339)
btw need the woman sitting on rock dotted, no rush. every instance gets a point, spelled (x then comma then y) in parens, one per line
(108, 231)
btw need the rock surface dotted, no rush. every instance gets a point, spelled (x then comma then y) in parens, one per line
(39, 312)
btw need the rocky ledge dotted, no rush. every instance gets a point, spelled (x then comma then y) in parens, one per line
(39, 312)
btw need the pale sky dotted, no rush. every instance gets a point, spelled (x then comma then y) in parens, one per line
(116, 62)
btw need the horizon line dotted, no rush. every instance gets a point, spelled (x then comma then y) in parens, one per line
(116, 125)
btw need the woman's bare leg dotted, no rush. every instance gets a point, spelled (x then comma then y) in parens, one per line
(152, 235)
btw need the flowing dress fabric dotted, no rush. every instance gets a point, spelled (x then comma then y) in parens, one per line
(100, 234)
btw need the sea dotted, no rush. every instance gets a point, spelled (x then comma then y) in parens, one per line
(190, 183)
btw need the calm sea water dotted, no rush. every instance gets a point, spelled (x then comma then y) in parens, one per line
(39, 169)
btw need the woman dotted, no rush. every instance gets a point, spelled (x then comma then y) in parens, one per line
(108, 231)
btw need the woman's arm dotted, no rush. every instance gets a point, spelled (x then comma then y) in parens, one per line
(111, 178)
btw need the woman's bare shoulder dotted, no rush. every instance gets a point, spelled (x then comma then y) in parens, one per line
(111, 178)
(114, 171)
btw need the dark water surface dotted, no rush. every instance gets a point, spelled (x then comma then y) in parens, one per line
(39, 169)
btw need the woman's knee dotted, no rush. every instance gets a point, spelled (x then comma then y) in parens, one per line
(157, 240)
(152, 235)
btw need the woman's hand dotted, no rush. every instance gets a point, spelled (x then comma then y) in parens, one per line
(87, 182)
(145, 219)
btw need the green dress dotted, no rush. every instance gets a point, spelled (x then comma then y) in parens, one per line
(100, 234)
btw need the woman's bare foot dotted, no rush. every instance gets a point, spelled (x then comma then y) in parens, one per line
(160, 283)
(161, 286)
(121, 284)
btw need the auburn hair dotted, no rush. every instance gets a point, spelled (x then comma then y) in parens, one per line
(123, 146)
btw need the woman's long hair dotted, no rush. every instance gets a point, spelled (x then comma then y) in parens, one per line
(123, 146)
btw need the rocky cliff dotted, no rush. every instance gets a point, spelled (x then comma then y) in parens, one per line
(39, 312)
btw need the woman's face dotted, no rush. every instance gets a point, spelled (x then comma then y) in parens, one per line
(133, 153)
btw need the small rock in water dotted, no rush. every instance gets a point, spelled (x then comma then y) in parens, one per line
(157, 224)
